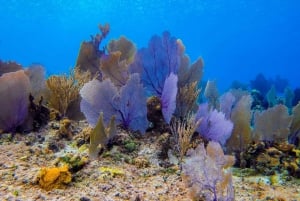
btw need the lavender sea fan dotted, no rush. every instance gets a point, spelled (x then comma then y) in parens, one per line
(157, 61)
(214, 126)
(98, 97)
(168, 97)
(14, 101)
(207, 172)
(128, 104)
(131, 104)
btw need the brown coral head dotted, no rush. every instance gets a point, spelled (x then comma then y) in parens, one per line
(154, 103)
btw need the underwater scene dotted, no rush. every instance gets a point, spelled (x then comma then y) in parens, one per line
(112, 100)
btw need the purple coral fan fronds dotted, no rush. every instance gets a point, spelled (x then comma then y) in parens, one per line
(157, 61)
(214, 126)
(128, 104)
(168, 97)
(14, 90)
(98, 97)
(208, 172)
(226, 104)
(131, 104)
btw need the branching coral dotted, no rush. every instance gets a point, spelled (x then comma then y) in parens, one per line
(63, 90)
(183, 131)
(186, 101)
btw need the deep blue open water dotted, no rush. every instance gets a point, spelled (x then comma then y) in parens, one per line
(236, 38)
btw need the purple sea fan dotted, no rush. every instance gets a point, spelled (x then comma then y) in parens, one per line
(131, 104)
(157, 61)
(207, 172)
(227, 101)
(98, 97)
(128, 104)
(168, 97)
(14, 92)
(214, 126)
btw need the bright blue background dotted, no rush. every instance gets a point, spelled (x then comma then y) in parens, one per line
(236, 38)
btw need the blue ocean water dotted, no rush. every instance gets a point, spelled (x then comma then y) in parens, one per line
(236, 38)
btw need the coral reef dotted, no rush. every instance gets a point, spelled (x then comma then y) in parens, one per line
(114, 153)
(272, 158)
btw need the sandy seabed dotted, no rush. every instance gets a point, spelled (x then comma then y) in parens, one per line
(20, 163)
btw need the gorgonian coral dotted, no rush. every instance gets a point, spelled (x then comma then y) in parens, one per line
(14, 101)
(157, 61)
(207, 172)
(214, 126)
(128, 103)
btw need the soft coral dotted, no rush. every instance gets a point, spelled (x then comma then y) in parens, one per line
(14, 101)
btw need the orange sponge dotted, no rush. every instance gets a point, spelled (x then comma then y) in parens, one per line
(56, 177)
